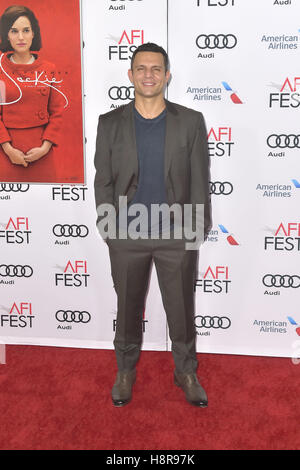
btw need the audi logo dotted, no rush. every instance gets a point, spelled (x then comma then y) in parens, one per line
(70, 231)
(11, 270)
(121, 93)
(13, 188)
(213, 41)
(283, 141)
(218, 188)
(69, 316)
(213, 322)
(278, 280)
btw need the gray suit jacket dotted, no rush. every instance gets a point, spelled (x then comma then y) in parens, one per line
(187, 167)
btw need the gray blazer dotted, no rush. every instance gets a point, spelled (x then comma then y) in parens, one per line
(187, 166)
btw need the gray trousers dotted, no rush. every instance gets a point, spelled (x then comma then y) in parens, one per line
(131, 262)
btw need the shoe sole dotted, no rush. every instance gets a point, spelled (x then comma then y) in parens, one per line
(120, 405)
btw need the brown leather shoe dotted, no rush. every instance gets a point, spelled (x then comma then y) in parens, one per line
(194, 393)
(122, 389)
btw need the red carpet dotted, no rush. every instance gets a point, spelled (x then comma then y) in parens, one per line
(59, 398)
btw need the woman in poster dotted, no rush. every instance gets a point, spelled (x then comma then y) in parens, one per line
(31, 102)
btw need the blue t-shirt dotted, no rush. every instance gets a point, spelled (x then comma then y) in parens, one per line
(150, 143)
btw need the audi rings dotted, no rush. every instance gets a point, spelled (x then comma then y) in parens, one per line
(284, 141)
(218, 188)
(213, 41)
(13, 188)
(122, 93)
(213, 322)
(73, 231)
(10, 270)
(278, 280)
(69, 316)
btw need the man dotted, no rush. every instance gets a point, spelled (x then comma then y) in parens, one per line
(153, 152)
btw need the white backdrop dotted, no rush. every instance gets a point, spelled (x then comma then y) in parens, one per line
(237, 61)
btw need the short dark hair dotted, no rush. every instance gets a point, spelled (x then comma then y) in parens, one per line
(151, 47)
(8, 18)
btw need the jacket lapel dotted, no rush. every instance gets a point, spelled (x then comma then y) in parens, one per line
(172, 130)
(129, 146)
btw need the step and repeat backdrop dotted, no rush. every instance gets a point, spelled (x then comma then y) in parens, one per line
(236, 61)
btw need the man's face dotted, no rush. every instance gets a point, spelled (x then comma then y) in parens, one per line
(148, 74)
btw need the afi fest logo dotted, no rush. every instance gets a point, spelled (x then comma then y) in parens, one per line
(69, 193)
(16, 231)
(74, 274)
(220, 142)
(126, 44)
(215, 280)
(285, 238)
(288, 95)
(20, 315)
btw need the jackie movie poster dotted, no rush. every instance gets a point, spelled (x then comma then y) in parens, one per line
(41, 117)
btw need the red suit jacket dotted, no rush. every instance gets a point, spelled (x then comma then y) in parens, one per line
(30, 96)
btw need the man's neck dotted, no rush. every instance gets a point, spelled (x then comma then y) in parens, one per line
(150, 108)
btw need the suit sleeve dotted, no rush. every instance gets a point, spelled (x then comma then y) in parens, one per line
(103, 185)
(56, 105)
(200, 175)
